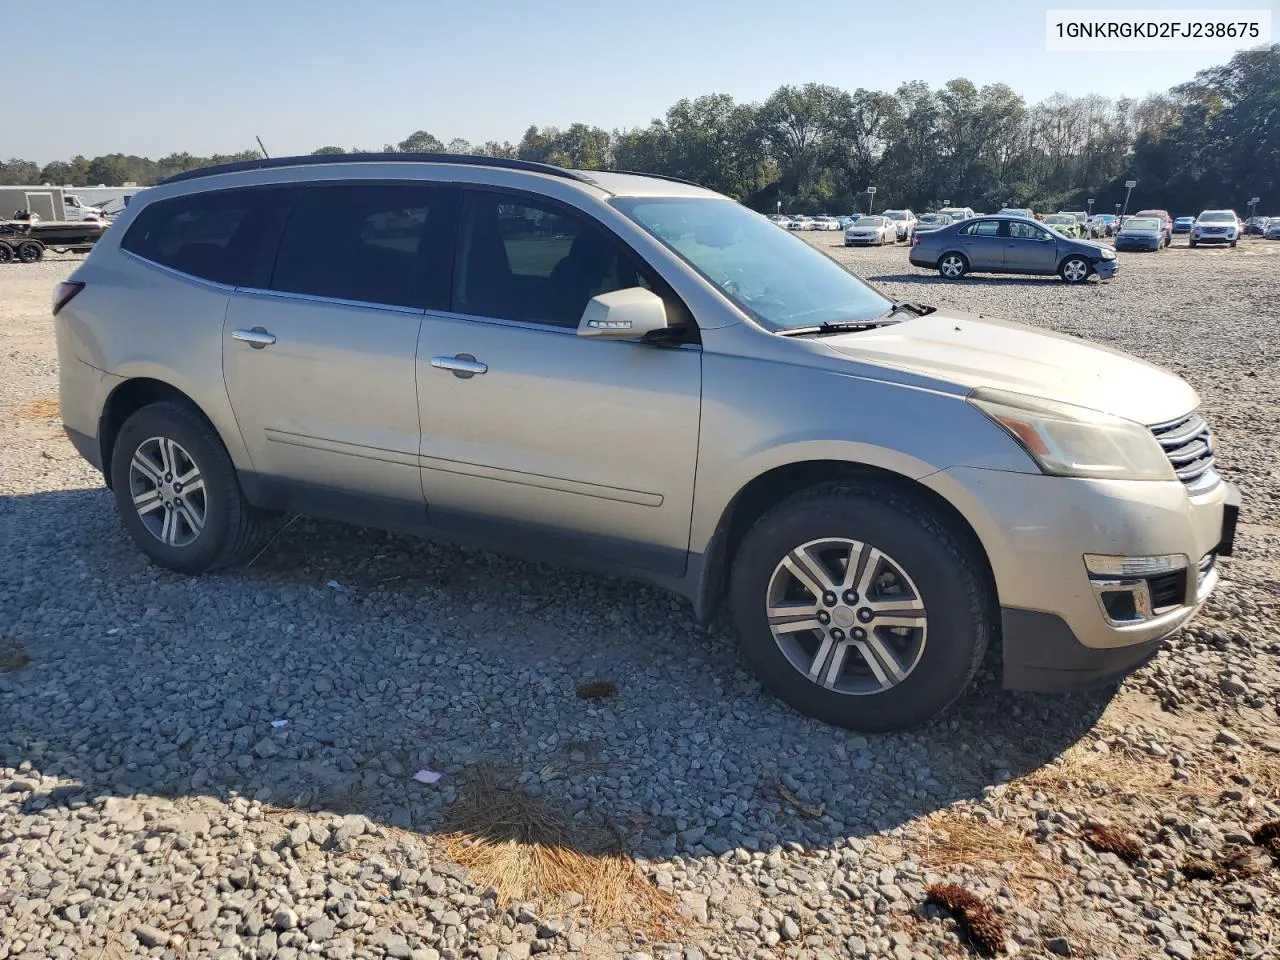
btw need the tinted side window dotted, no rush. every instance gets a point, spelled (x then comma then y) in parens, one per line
(383, 243)
(520, 260)
(220, 235)
(983, 228)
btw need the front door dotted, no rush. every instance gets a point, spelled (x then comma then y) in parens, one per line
(321, 366)
(1029, 248)
(586, 446)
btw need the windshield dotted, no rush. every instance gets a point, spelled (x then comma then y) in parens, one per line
(1217, 216)
(1139, 224)
(895, 214)
(871, 222)
(933, 218)
(1059, 218)
(779, 279)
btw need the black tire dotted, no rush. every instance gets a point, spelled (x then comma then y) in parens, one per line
(1233, 243)
(232, 528)
(29, 251)
(1077, 260)
(1192, 244)
(6, 252)
(962, 262)
(950, 580)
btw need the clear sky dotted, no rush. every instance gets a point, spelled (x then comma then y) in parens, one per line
(159, 76)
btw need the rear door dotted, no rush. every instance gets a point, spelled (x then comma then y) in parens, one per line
(582, 446)
(320, 360)
(982, 244)
(1029, 247)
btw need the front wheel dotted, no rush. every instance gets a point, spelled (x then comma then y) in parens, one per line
(953, 266)
(1233, 243)
(177, 492)
(859, 606)
(1074, 270)
(1192, 244)
(29, 251)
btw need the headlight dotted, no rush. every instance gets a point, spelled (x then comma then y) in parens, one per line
(1070, 441)
(1108, 254)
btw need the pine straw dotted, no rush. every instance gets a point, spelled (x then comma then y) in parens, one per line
(525, 851)
(954, 841)
(1107, 839)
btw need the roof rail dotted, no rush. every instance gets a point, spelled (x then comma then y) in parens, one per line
(655, 176)
(316, 159)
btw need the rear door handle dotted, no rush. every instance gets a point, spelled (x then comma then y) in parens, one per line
(257, 338)
(463, 365)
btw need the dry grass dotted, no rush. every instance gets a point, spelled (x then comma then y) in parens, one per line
(954, 840)
(41, 409)
(1106, 839)
(978, 922)
(525, 851)
(12, 656)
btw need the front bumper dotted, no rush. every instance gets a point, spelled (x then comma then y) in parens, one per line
(1106, 269)
(1213, 238)
(1036, 531)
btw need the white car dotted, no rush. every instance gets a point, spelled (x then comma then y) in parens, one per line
(870, 231)
(780, 220)
(800, 223)
(826, 223)
(1216, 226)
(959, 213)
(904, 222)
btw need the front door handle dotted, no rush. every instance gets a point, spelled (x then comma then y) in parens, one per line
(256, 338)
(463, 365)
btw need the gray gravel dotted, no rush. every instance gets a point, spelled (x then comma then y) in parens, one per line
(149, 807)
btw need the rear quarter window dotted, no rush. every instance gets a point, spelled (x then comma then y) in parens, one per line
(222, 235)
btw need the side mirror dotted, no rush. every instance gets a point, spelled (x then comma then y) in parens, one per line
(629, 314)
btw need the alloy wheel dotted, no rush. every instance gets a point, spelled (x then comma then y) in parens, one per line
(846, 615)
(951, 266)
(1075, 270)
(168, 491)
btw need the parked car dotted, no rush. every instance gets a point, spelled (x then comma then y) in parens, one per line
(1273, 229)
(1256, 226)
(958, 213)
(1216, 226)
(1082, 218)
(826, 223)
(1141, 233)
(845, 222)
(1010, 245)
(1183, 224)
(1166, 222)
(1065, 223)
(1016, 212)
(871, 231)
(1106, 224)
(932, 221)
(904, 222)
(538, 359)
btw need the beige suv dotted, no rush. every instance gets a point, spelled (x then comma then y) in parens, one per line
(643, 377)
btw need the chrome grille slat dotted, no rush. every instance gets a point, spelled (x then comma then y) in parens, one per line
(1188, 443)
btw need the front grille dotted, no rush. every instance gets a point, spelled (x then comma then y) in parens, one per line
(1188, 443)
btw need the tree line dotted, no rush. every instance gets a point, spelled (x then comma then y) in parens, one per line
(1213, 141)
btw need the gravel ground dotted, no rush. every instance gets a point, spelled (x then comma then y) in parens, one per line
(149, 806)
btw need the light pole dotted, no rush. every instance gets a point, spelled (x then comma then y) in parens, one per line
(1253, 207)
(1091, 206)
(871, 199)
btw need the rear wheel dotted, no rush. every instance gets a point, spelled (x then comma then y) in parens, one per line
(953, 266)
(858, 606)
(6, 252)
(29, 251)
(1074, 269)
(177, 492)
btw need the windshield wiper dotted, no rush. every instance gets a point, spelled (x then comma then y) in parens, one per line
(852, 326)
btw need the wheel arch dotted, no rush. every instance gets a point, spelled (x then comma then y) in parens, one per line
(126, 399)
(774, 485)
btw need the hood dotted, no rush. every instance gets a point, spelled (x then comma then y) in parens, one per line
(972, 352)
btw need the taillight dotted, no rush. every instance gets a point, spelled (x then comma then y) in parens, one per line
(63, 293)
